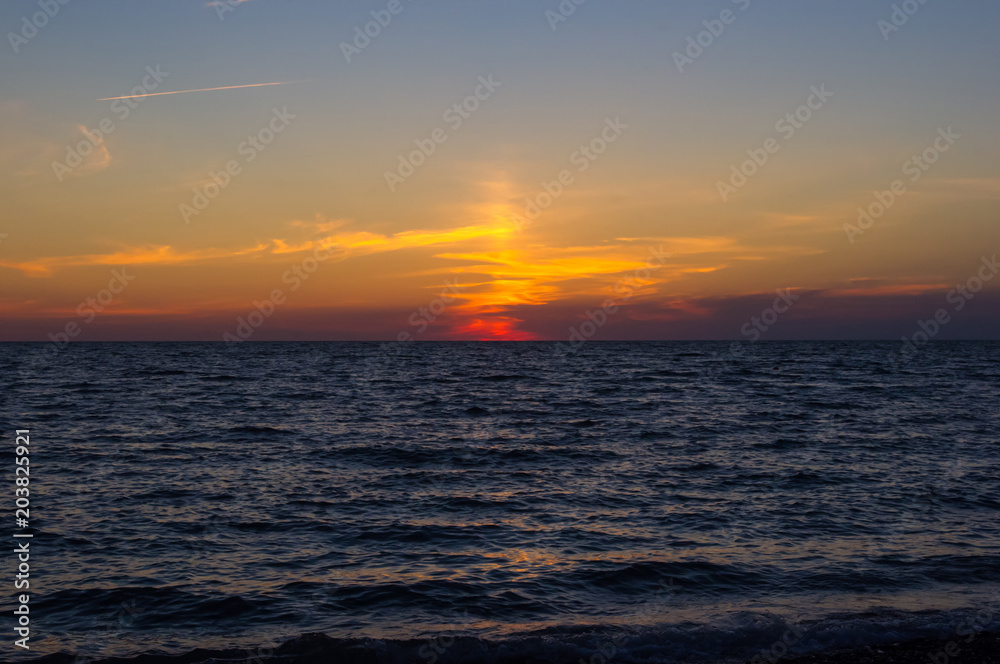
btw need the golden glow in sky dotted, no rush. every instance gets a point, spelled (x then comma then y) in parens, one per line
(544, 171)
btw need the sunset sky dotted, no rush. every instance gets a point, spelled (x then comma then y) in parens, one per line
(308, 162)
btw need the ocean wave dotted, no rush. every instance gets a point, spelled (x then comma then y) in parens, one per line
(735, 638)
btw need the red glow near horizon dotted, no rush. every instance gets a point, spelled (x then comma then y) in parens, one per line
(494, 329)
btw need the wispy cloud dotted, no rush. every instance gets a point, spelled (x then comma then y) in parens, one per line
(345, 245)
(161, 255)
(99, 158)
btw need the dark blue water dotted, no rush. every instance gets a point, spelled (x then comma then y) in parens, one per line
(681, 498)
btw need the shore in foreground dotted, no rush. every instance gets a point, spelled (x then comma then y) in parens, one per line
(980, 648)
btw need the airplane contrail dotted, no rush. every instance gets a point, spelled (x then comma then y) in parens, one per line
(177, 92)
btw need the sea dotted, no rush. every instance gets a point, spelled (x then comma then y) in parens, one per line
(490, 501)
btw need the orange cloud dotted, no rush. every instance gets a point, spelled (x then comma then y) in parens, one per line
(349, 244)
(901, 289)
(163, 255)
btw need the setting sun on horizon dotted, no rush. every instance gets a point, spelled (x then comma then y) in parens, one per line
(501, 331)
(542, 161)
